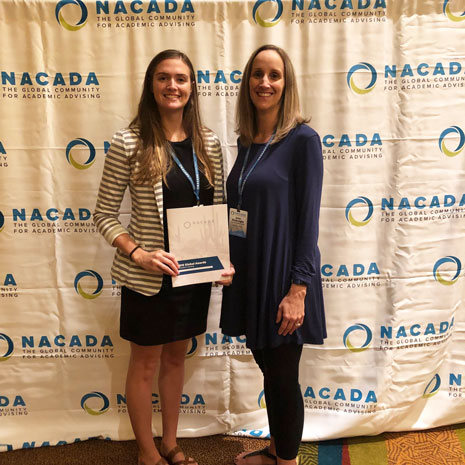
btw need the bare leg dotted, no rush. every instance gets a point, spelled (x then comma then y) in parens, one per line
(143, 364)
(170, 384)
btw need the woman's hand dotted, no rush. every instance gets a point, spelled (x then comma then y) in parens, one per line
(160, 262)
(228, 276)
(291, 310)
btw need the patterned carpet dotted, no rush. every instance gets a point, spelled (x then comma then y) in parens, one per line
(440, 446)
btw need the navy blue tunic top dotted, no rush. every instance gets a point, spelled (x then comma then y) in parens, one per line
(282, 197)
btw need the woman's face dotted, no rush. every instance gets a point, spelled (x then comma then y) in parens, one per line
(266, 83)
(172, 85)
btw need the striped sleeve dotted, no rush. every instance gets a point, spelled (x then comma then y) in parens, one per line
(115, 179)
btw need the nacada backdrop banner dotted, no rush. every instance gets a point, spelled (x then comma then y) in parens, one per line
(383, 81)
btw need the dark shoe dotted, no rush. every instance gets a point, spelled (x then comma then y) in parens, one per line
(265, 452)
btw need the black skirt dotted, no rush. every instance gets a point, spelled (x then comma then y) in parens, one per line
(176, 313)
(171, 315)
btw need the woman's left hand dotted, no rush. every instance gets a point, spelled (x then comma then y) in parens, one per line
(228, 276)
(291, 310)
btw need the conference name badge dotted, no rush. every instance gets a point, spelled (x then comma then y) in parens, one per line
(237, 222)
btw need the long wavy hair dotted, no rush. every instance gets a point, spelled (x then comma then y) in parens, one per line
(289, 115)
(153, 159)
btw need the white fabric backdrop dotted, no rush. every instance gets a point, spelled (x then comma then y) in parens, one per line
(384, 84)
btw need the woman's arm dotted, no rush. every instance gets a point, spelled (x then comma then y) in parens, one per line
(158, 261)
(308, 179)
(115, 179)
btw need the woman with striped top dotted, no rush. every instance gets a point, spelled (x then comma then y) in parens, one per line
(156, 157)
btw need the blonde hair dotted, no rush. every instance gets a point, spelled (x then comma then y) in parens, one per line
(289, 115)
(153, 159)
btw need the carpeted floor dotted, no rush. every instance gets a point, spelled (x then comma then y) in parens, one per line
(440, 446)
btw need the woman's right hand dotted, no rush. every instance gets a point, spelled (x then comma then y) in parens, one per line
(160, 262)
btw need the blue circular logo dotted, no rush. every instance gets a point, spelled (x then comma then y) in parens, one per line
(442, 143)
(267, 22)
(95, 395)
(81, 142)
(450, 259)
(359, 201)
(261, 400)
(193, 348)
(71, 27)
(2, 221)
(357, 327)
(432, 387)
(446, 10)
(365, 67)
(9, 347)
(99, 287)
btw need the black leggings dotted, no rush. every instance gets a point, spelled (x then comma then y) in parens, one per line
(284, 403)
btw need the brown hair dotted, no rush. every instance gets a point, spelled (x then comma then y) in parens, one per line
(289, 115)
(153, 159)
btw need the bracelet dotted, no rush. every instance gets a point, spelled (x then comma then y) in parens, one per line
(133, 250)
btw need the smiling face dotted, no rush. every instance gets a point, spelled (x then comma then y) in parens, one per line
(266, 83)
(172, 85)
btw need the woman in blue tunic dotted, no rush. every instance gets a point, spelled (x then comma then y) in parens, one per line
(274, 192)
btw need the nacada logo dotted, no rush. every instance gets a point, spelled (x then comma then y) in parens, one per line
(71, 157)
(362, 69)
(44, 79)
(455, 268)
(64, 5)
(143, 6)
(363, 203)
(446, 8)
(271, 21)
(344, 394)
(359, 211)
(76, 341)
(452, 131)
(366, 337)
(193, 348)
(97, 283)
(5, 352)
(338, 4)
(72, 15)
(362, 77)
(95, 403)
(432, 387)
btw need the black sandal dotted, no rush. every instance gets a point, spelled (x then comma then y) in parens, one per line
(265, 452)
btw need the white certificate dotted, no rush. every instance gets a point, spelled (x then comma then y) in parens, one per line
(199, 240)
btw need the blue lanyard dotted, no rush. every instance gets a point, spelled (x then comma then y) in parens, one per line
(196, 187)
(241, 182)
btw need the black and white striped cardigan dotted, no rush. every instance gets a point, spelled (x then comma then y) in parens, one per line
(146, 223)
